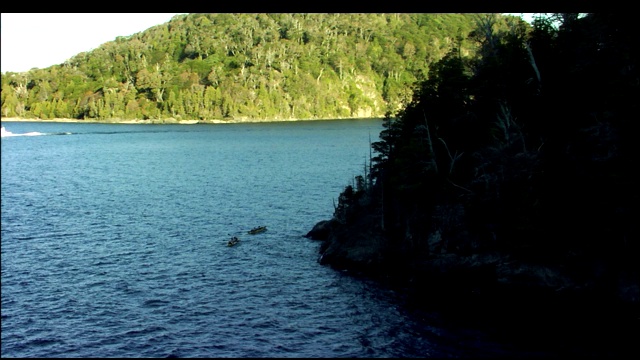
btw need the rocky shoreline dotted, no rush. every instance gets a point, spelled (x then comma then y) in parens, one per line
(500, 279)
(542, 304)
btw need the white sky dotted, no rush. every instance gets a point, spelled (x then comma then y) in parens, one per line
(43, 40)
(528, 17)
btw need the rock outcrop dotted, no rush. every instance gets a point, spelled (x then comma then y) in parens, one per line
(362, 247)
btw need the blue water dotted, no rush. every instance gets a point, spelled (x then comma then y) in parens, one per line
(114, 245)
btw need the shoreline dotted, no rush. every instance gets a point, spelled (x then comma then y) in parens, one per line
(170, 121)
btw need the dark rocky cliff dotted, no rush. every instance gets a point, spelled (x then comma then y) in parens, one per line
(358, 244)
(510, 177)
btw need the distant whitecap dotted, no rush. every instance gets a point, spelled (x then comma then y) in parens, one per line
(7, 133)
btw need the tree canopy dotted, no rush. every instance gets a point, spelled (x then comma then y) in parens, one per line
(245, 66)
(525, 147)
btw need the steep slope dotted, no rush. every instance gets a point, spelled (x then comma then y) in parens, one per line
(245, 66)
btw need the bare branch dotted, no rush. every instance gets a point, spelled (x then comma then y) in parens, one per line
(453, 158)
(433, 154)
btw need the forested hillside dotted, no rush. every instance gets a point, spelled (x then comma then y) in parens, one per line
(515, 166)
(246, 66)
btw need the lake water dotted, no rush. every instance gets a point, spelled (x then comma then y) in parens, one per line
(114, 245)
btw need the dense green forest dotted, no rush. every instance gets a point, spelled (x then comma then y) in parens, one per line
(247, 66)
(525, 149)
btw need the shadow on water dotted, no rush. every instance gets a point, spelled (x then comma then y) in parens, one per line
(527, 325)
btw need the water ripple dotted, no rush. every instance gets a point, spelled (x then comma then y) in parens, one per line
(114, 245)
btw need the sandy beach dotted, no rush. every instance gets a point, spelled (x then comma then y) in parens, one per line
(167, 121)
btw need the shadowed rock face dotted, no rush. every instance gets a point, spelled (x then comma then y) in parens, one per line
(321, 230)
(362, 247)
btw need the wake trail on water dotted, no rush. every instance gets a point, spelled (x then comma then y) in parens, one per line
(6, 133)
